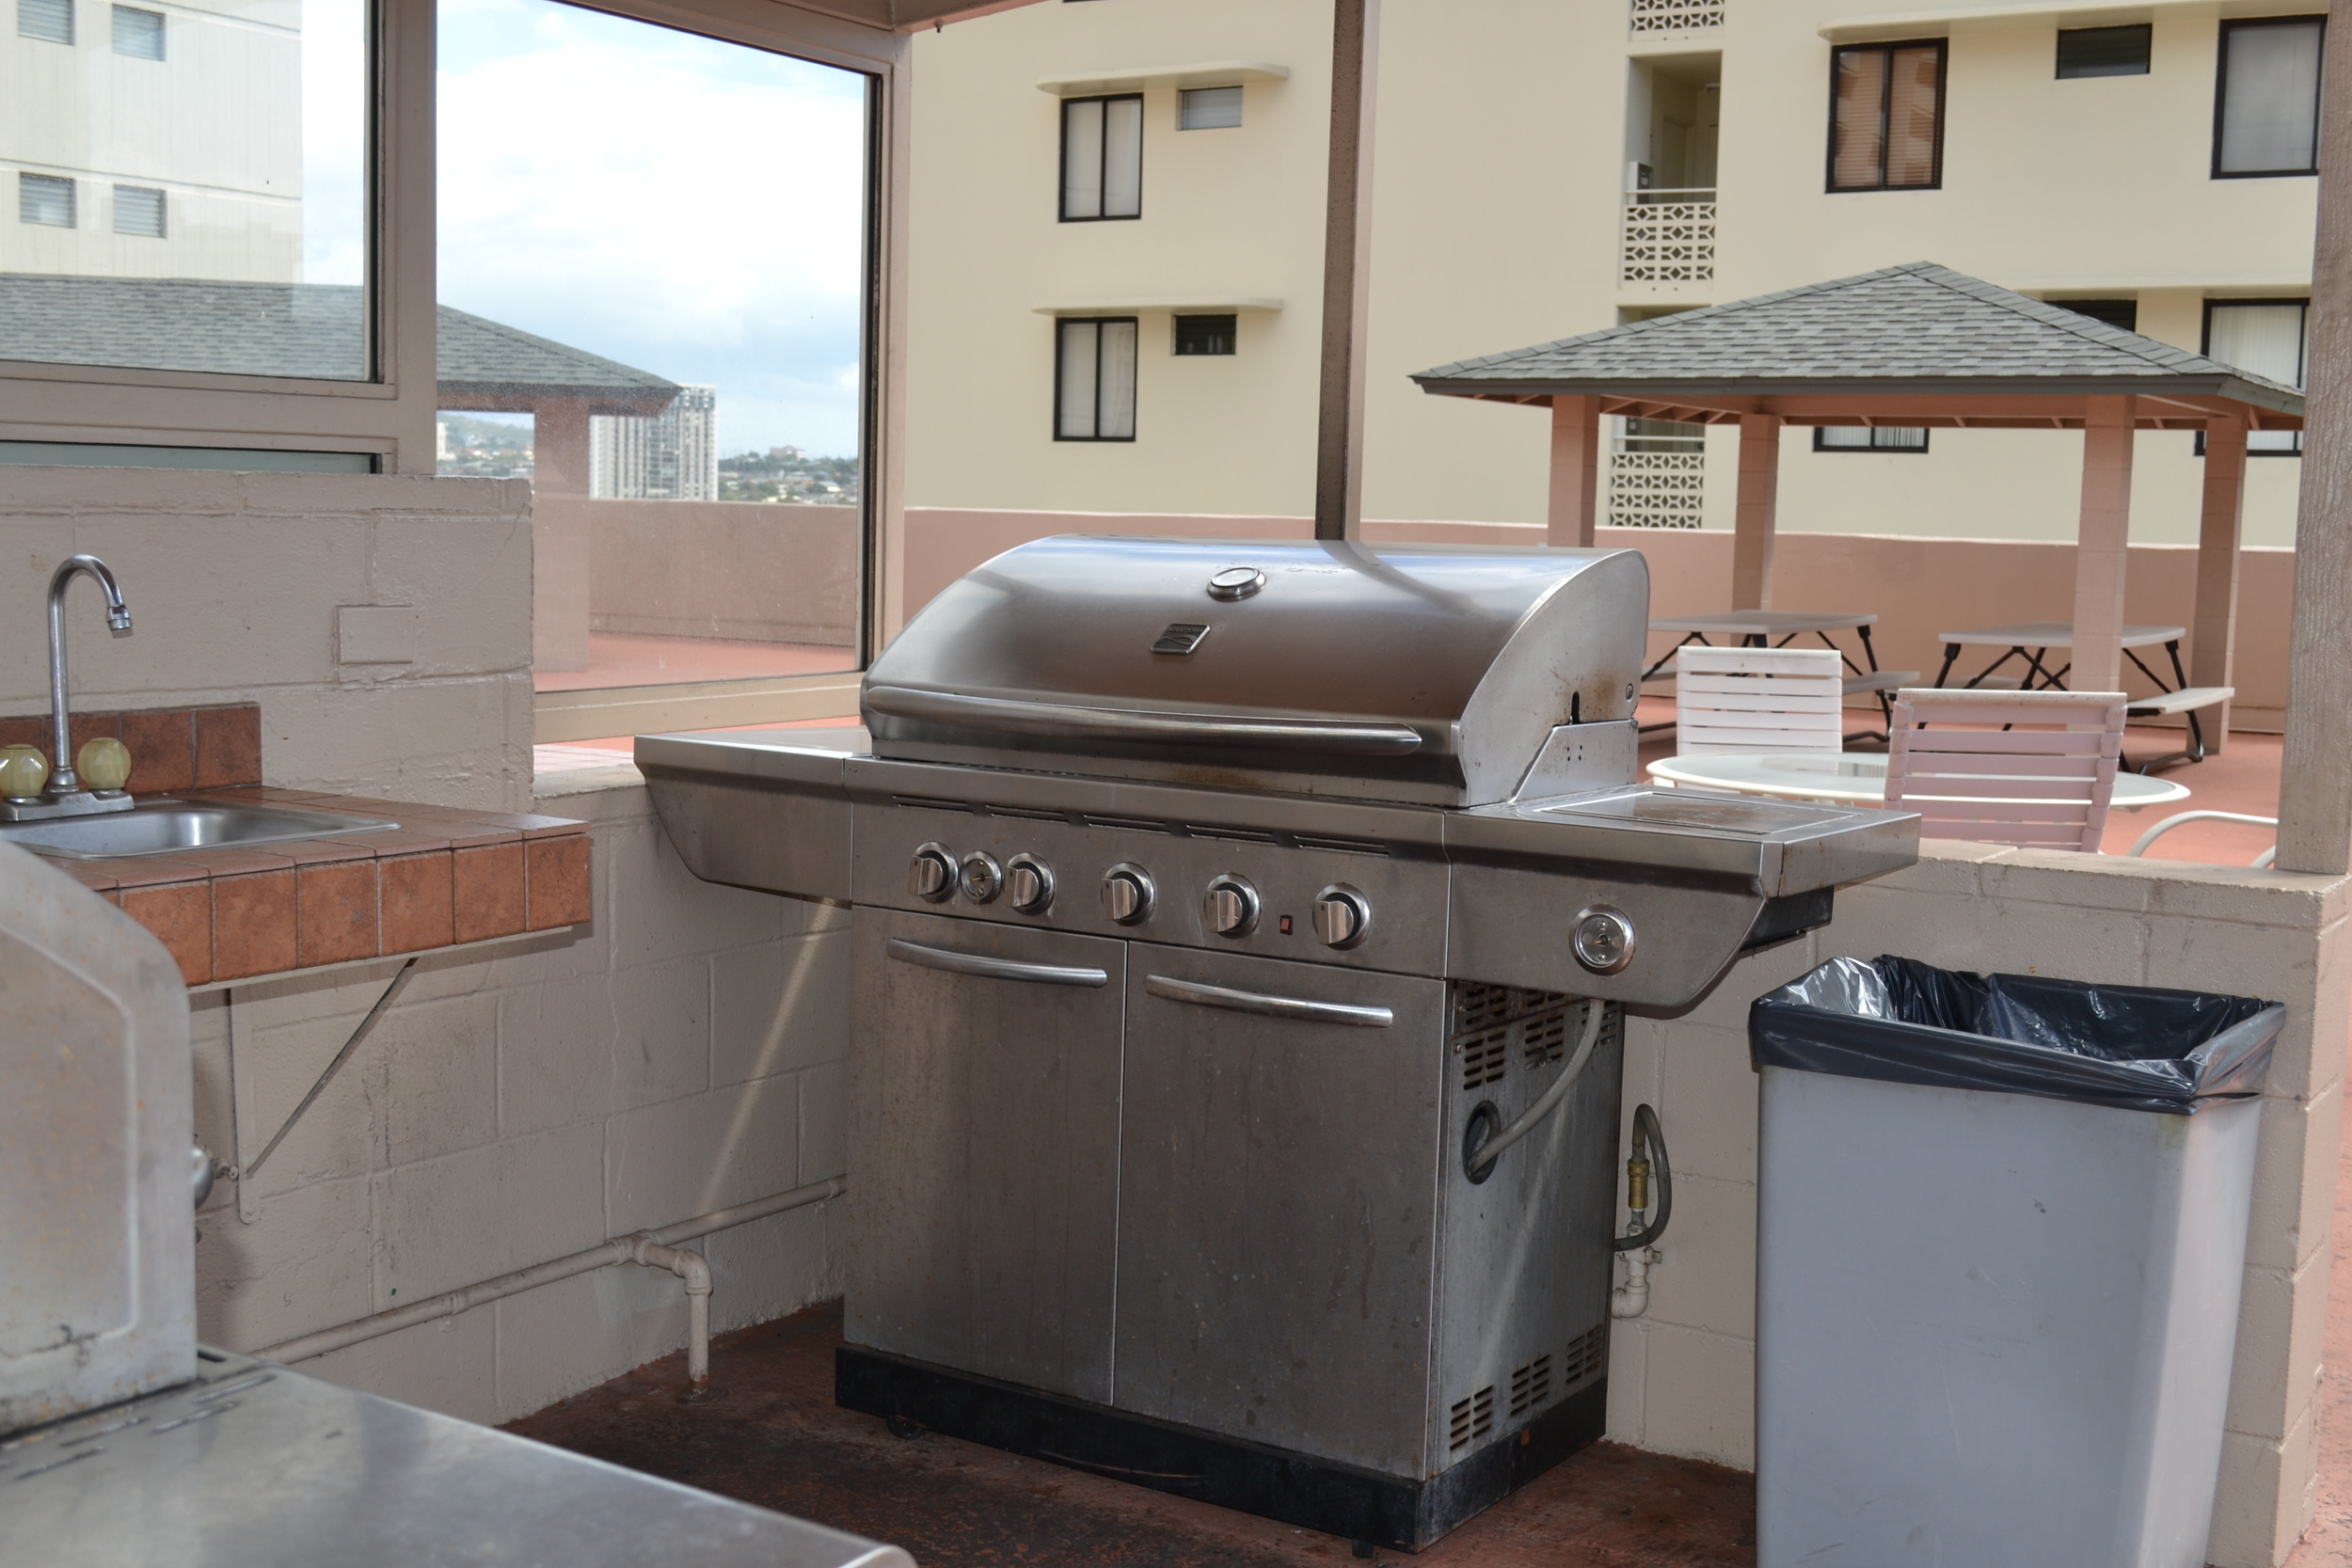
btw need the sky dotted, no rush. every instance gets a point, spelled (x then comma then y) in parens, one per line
(690, 207)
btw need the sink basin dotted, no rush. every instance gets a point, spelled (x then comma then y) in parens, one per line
(163, 826)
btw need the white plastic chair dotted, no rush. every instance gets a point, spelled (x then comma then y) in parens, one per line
(1759, 700)
(1957, 758)
(2260, 863)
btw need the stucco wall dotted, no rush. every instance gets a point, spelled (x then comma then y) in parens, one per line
(1682, 1377)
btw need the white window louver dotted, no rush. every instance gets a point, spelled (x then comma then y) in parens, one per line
(138, 33)
(140, 210)
(44, 198)
(1208, 108)
(50, 20)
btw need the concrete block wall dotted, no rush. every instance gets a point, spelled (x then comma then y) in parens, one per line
(235, 582)
(1682, 1377)
(684, 1053)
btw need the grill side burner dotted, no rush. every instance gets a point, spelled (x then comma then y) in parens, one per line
(1187, 962)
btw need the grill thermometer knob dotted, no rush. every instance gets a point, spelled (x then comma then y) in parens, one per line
(1343, 915)
(932, 876)
(1126, 893)
(1602, 939)
(984, 878)
(1231, 908)
(1029, 884)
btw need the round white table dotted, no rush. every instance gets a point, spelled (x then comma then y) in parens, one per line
(1854, 778)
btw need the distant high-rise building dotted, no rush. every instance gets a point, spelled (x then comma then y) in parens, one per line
(672, 455)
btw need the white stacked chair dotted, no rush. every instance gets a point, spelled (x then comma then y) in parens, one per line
(1752, 700)
(1956, 759)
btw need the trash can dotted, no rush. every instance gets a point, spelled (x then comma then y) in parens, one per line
(2000, 1231)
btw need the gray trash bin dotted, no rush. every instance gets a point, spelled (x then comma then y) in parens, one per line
(2000, 1234)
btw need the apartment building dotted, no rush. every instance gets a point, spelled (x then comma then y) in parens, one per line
(1117, 257)
(152, 140)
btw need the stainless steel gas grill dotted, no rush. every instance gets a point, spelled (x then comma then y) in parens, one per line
(1219, 908)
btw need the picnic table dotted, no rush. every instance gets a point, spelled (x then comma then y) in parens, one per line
(2032, 642)
(1759, 628)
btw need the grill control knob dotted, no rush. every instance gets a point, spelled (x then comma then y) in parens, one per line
(1029, 884)
(1230, 908)
(1342, 916)
(932, 877)
(1602, 939)
(984, 878)
(1126, 893)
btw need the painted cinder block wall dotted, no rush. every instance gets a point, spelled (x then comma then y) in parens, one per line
(680, 1052)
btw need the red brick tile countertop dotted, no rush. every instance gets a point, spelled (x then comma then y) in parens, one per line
(442, 878)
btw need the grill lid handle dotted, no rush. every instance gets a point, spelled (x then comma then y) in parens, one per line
(1067, 721)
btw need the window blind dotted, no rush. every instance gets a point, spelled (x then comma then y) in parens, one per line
(2266, 338)
(138, 34)
(1208, 108)
(1886, 117)
(2267, 120)
(51, 20)
(1101, 158)
(1094, 397)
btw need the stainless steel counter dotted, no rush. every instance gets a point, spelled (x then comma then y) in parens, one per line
(256, 1466)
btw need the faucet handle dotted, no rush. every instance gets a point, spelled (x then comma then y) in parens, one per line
(23, 771)
(103, 763)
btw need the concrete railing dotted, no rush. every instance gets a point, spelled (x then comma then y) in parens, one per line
(1917, 586)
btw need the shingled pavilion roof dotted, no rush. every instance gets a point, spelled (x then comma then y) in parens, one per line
(1950, 349)
(298, 329)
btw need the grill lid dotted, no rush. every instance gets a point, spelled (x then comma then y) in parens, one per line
(1417, 672)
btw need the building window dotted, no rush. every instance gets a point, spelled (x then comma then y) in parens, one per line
(1868, 438)
(2267, 336)
(1094, 380)
(44, 198)
(1101, 158)
(1886, 117)
(2115, 312)
(1208, 108)
(2265, 108)
(138, 34)
(1206, 334)
(138, 210)
(2103, 52)
(51, 20)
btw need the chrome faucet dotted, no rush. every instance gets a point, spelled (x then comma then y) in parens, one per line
(64, 795)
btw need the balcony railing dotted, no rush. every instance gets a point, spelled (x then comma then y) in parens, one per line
(1656, 482)
(1668, 237)
(1676, 16)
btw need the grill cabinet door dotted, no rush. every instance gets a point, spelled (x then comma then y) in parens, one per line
(1278, 1205)
(983, 1161)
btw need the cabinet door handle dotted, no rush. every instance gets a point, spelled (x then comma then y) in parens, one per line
(1300, 1008)
(994, 969)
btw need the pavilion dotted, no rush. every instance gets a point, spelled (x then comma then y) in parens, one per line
(1910, 346)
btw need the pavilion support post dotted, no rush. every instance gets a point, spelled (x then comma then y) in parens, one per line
(559, 534)
(2102, 544)
(2213, 637)
(1575, 471)
(1758, 512)
(1346, 267)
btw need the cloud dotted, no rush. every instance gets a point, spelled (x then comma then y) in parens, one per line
(690, 207)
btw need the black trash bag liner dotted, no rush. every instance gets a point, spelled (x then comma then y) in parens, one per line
(1903, 1022)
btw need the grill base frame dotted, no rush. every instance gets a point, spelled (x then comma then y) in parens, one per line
(1250, 1478)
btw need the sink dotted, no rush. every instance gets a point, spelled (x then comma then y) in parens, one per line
(163, 826)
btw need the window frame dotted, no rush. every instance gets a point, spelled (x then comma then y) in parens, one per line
(1874, 450)
(2148, 62)
(390, 417)
(1942, 47)
(2228, 27)
(2303, 354)
(1231, 334)
(1061, 339)
(1062, 157)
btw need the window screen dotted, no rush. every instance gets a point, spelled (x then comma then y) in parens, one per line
(44, 198)
(2104, 52)
(1101, 158)
(138, 210)
(2266, 103)
(138, 34)
(2266, 337)
(1208, 108)
(51, 20)
(1206, 334)
(1094, 397)
(1868, 438)
(1886, 117)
